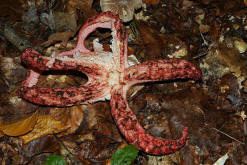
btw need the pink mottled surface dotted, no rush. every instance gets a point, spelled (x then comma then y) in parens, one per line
(109, 78)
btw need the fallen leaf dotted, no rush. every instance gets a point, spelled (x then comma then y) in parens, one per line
(152, 2)
(204, 28)
(1, 134)
(130, 51)
(20, 127)
(57, 37)
(222, 160)
(150, 43)
(11, 69)
(45, 125)
(84, 6)
(107, 47)
(75, 118)
(125, 9)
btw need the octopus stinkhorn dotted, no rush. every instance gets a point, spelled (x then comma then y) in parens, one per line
(109, 78)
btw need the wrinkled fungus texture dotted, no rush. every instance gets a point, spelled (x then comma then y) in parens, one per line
(109, 78)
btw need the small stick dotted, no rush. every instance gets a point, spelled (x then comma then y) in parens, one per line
(228, 135)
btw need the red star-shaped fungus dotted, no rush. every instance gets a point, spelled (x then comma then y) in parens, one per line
(109, 77)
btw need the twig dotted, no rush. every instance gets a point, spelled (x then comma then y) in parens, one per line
(200, 55)
(227, 135)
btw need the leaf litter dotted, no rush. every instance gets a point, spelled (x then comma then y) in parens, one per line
(210, 34)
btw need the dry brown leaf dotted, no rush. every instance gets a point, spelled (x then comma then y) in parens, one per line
(130, 50)
(204, 28)
(11, 10)
(1, 134)
(61, 36)
(46, 124)
(151, 44)
(57, 37)
(107, 47)
(152, 2)
(20, 127)
(125, 9)
(75, 118)
(84, 6)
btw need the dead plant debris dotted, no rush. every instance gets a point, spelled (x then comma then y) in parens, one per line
(210, 34)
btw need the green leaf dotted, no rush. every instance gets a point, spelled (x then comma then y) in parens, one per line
(55, 160)
(124, 156)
